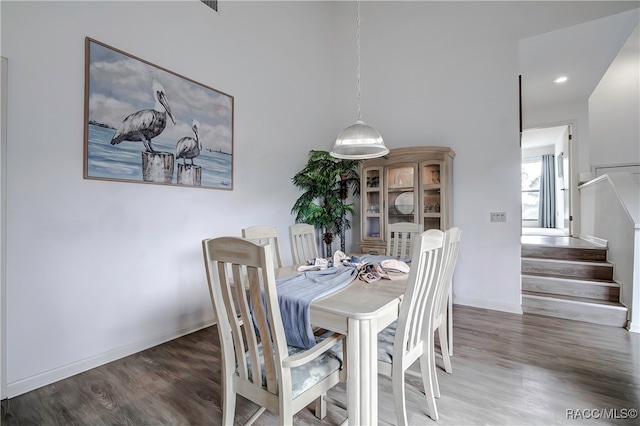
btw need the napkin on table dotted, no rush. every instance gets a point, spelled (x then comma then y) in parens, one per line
(395, 265)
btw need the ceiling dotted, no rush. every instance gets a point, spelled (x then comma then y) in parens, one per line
(536, 138)
(582, 52)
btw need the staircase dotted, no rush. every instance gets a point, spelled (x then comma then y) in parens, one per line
(570, 278)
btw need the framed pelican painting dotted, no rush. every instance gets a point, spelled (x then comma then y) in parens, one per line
(146, 124)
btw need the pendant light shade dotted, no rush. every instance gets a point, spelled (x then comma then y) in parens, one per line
(358, 141)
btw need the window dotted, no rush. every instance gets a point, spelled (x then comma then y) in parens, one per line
(531, 169)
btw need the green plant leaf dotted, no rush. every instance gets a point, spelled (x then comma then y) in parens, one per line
(323, 181)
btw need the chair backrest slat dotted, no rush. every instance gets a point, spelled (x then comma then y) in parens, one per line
(451, 249)
(419, 298)
(264, 234)
(400, 238)
(302, 237)
(231, 300)
(258, 313)
(426, 293)
(247, 320)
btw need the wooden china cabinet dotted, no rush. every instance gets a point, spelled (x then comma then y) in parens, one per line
(412, 184)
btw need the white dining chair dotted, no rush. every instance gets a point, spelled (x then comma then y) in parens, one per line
(302, 237)
(400, 237)
(407, 339)
(265, 234)
(451, 249)
(256, 361)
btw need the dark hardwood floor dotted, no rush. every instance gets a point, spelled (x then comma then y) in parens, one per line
(507, 370)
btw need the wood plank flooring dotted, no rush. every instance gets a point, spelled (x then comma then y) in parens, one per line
(558, 241)
(508, 369)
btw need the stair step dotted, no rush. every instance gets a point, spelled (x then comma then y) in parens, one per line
(602, 271)
(564, 253)
(575, 308)
(598, 290)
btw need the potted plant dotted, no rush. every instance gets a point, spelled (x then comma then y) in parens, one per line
(326, 181)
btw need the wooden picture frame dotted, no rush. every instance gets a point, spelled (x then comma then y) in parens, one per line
(146, 124)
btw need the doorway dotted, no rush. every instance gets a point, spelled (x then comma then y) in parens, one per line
(546, 180)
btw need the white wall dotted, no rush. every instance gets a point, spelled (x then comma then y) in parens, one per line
(442, 74)
(612, 213)
(614, 109)
(614, 118)
(577, 112)
(3, 182)
(98, 270)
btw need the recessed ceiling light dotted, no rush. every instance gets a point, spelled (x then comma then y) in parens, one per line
(560, 79)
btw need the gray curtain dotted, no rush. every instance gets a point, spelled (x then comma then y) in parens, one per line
(547, 204)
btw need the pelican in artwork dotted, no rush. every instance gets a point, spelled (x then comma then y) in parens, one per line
(188, 147)
(146, 124)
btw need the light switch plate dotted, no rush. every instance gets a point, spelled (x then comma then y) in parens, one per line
(498, 216)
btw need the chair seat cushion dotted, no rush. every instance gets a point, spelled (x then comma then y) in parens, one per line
(307, 375)
(385, 343)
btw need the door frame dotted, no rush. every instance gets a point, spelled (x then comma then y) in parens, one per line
(567, 217)
(569, 172)
(4, 64)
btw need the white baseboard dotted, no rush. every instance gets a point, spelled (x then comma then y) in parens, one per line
(634, 327)
(488, 304)
(595, 240)
(26, 385)
(52, 376)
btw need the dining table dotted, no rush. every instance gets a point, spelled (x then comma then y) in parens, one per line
(359, 311)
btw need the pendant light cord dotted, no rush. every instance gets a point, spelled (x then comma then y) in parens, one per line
(358, 141)
(358, 54)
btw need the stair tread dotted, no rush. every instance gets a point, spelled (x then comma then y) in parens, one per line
(594, 247)
(570, 278)
(567, 279)
(573, 262)
(573, 299)
(567, 242)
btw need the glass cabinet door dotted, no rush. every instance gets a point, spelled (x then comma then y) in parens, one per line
(431, 200)
(411, 184)
(372, 197)
(401, 193)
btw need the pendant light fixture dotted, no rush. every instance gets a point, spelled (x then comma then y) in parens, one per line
(359, 141)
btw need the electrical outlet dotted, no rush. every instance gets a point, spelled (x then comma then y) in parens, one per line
(498, 216)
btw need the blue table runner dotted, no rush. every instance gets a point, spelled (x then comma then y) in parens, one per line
(297, 292)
